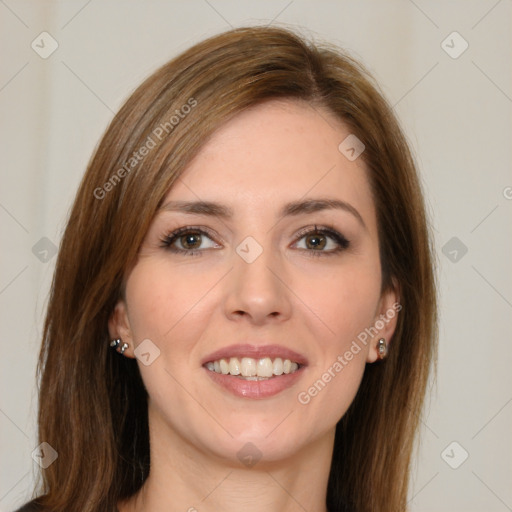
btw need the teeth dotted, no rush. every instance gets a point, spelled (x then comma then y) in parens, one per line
(253, 369)
(278, 366)
(234, 366)
(248, 367)
(265, 368)
(224, 366)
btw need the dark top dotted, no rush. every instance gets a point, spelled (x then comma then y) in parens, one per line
(31, 506)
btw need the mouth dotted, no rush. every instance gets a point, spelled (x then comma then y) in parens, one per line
(249, 368)
(251, 371)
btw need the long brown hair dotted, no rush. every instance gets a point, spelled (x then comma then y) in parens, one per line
(92, 403)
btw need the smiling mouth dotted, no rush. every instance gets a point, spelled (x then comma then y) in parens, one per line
(248, 368)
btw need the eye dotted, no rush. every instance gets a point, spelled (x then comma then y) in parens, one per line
(188, 241)
(322, 241)
(317, 241)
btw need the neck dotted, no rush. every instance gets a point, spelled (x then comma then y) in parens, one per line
(186, 479)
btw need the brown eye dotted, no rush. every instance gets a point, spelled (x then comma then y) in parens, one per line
(190, 241)
(315, 241)
(321, 241)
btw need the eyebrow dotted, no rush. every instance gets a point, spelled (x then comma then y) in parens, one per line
(293, 208)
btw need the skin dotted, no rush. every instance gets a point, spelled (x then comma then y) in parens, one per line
(191, 305)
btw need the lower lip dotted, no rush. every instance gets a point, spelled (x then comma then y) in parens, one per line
(256, 388)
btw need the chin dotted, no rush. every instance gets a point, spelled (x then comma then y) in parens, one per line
(249, 450)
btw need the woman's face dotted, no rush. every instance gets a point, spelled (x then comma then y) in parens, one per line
(281, 264)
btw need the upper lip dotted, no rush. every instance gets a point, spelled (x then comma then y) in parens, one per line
(256, 352)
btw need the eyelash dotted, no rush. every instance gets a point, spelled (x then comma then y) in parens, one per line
(339, 239)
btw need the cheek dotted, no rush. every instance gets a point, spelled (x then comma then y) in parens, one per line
(334, 380)
(161, 302)
(165, 306)
(328, 393)
(147, 306)
(344, 302)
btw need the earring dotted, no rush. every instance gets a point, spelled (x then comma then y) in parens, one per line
(115, 344)
(382, 348)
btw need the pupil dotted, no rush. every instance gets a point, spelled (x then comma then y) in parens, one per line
(318, 241)
(190, 240)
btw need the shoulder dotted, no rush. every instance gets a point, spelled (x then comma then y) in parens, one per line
(31, 506)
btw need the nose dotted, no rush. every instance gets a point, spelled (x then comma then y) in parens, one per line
(257, 291)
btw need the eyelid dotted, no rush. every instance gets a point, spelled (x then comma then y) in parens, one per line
(203, 230)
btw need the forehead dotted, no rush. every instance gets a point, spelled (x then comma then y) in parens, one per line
(274, 153)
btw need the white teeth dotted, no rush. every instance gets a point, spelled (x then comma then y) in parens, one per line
(224, 366)
(234, 366)
(278, 366)
(253, 369)
(265, 368)
(248, 367)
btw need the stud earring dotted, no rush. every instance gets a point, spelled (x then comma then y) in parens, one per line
(119, 345)
(382, 348)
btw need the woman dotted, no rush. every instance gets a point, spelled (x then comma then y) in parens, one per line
(243, 312)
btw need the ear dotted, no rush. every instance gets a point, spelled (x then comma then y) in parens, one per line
(385, 321)
(119, 327)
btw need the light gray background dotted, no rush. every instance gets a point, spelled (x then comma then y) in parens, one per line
(456, 112)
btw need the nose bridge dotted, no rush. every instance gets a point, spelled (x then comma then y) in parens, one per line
(254, 288)
(252, 262)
